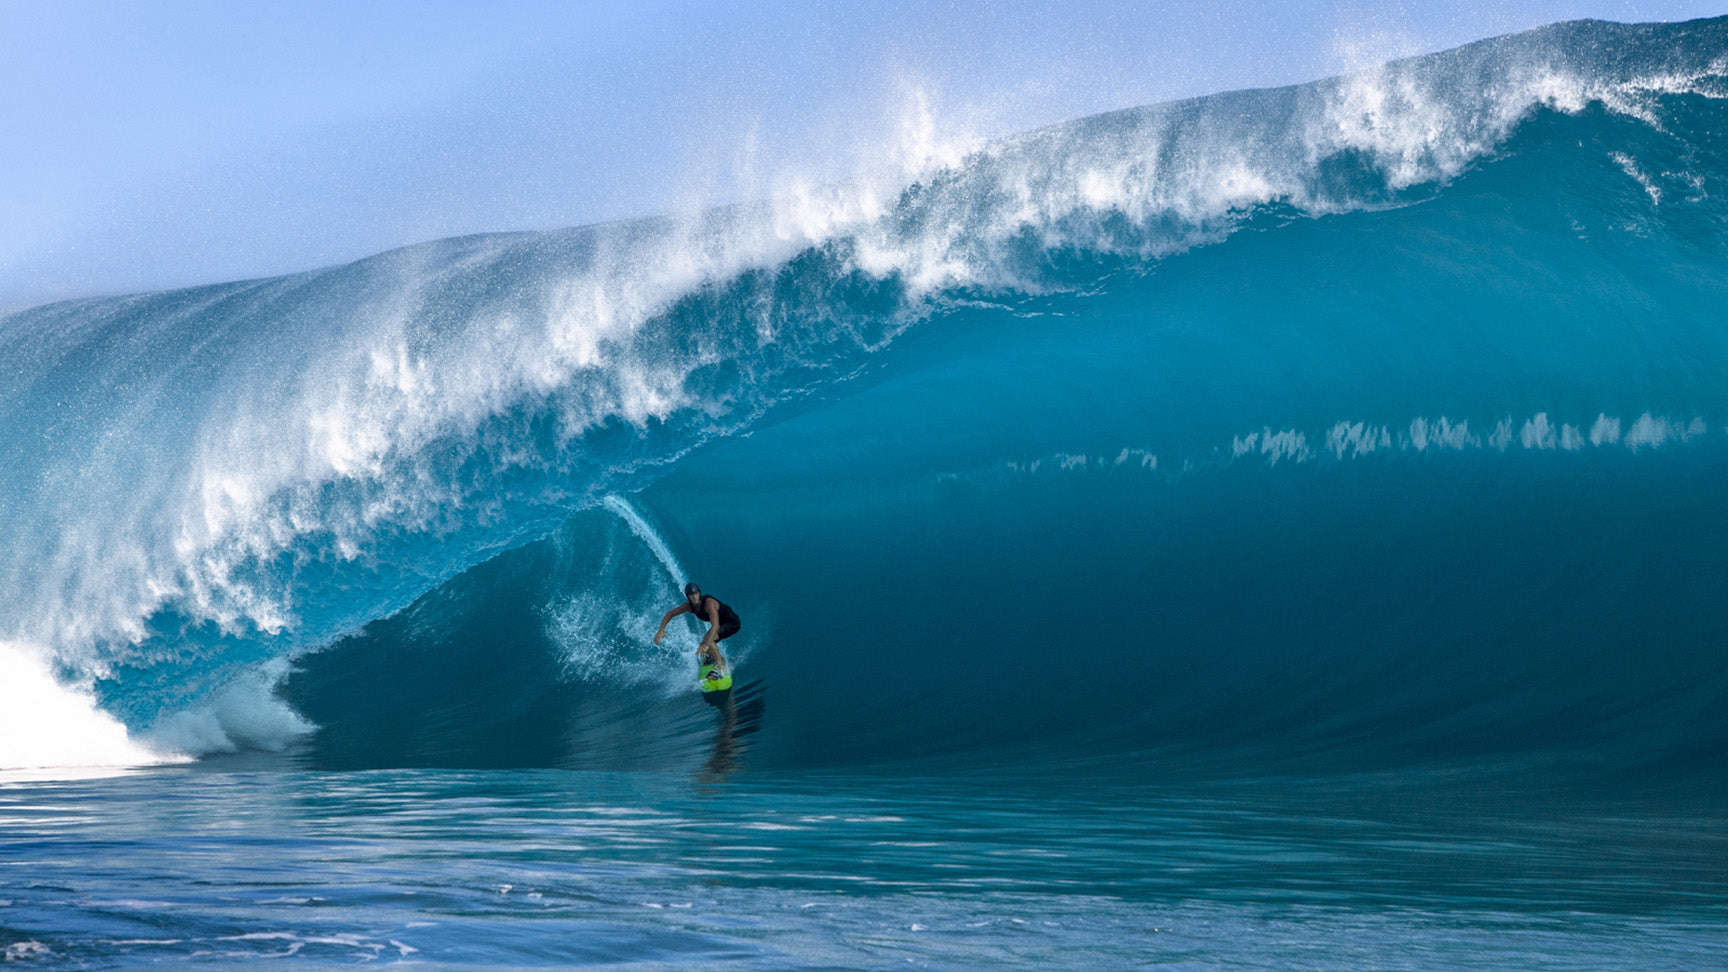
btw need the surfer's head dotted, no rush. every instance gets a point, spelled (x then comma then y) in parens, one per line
(693, 594)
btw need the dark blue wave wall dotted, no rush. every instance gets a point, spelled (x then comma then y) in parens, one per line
(1437, 482)
(931, 590)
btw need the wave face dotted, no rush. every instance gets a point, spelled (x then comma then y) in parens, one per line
(1381, 417)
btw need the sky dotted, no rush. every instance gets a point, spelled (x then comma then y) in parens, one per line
(153, 145)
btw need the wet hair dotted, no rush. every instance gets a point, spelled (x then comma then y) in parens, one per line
(690, 589)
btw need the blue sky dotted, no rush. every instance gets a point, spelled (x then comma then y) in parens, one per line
(150, 145)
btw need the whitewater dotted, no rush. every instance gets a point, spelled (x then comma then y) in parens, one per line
(1169, 536)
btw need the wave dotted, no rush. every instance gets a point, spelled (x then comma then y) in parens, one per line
(207, 484)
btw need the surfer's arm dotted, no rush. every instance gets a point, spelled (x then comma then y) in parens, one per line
(664, 621)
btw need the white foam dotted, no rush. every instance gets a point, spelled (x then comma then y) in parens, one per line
(27, 951)
(1288, 444)
(1440, 433)
(1650, 431)
(47, 725)
(245, 712)
(607, 632)
(1352, 439)
(1144, 458)
(1502, 437)
(1647, 431)
(1629, 166)
(1537, 433)
(607, 639)
(1357, 439)
(1284, 444)
(1419, 433)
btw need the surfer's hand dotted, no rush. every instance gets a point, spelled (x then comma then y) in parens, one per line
(659, 634)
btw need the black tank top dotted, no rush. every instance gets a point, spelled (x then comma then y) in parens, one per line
(728, 617)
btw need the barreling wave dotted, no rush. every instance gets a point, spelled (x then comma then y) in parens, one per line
(202, 484)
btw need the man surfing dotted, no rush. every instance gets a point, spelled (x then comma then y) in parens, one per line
(713, 674)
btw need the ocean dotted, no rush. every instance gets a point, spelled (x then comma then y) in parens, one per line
(1280, 529)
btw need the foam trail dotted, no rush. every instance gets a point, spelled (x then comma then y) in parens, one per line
(605, 625)
(647, 535)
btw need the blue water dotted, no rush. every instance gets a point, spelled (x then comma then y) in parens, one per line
(1276, 529)
(508, 869)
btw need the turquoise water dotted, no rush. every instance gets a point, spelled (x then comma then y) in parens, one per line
(508, 869)
(1279, 529)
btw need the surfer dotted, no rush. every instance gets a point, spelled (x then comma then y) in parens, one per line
(714, 675)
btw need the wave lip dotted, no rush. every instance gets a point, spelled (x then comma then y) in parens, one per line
(1151, 181)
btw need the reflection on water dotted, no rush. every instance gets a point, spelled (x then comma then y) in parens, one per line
(738, 713)
(553, 867)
